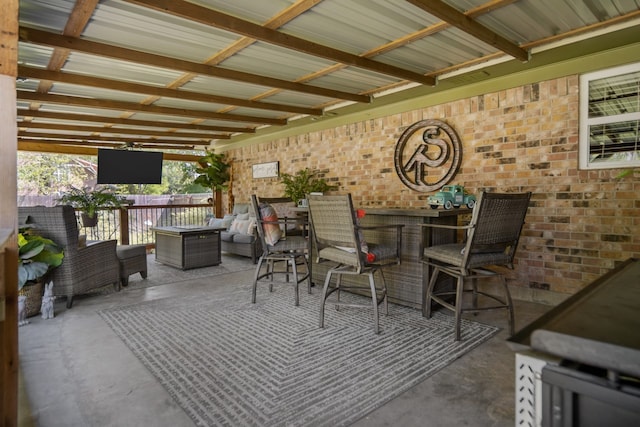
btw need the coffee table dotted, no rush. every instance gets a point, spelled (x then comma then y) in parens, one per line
(188, 246)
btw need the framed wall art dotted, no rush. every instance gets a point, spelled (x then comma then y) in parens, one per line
(265, 170)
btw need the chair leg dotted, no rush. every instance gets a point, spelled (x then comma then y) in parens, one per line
(458, 307)
(428, 300)
(474, 294)
(255, 280)
(295, 278)
(374, 298)
(323, 298)
(385, 298)
(306, 267)
(338, 283)
(509, 305)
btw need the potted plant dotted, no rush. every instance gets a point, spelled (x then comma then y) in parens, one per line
(303, 182)
(213, 173)
(37, 255)
(89, 201)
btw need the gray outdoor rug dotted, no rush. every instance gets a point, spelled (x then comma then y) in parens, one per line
(226, 361)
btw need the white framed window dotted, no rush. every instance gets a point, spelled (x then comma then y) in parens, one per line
(610, 118)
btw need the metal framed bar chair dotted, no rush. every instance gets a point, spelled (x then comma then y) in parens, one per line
(338, 238)
(278, 249)
(491, 240)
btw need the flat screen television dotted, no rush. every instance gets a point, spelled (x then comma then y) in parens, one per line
(129, 167)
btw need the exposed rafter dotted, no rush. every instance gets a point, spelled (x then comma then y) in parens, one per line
(465, 23)
(101, 49)
(77, 79)
(129, 122)
(131, 106)
(88, 138)
(121, 131)
(45, 147)
(211, 17)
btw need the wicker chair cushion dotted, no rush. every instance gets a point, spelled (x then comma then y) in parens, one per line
(453, 254)
(272, 232)
(291, 243)
(243, 238)
(381, 253)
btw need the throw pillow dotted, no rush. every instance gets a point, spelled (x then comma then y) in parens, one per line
(272, 232)
(240, 226)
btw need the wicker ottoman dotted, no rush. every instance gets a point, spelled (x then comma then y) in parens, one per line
(133, 259)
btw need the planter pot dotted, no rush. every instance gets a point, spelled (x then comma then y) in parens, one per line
(88, 221)
(33, 292)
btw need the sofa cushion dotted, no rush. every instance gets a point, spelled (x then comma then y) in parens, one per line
(227, 236)
(222, 222)
(243, 238)
(240, 226)
(240, 208)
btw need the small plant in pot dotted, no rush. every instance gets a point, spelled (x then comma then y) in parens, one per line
(37, 256)
(303, 182)
(89, 201)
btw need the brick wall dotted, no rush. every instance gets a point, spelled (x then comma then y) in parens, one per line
(580, 223)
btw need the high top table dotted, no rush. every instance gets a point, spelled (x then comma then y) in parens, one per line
(188, 246)
(406, 283)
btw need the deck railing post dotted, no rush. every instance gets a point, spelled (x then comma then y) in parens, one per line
(124, 225)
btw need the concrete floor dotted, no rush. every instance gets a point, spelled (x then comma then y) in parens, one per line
(76, 372)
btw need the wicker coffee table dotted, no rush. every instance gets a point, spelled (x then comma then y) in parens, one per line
(187, 246)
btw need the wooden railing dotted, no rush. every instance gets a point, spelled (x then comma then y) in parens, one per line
(131, 225)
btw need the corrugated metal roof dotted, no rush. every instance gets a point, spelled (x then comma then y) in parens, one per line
(267, 80)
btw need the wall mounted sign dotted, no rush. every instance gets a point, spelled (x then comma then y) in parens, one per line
(428, 155)
(265, 170)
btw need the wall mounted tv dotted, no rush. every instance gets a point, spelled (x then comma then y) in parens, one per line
(129, 167)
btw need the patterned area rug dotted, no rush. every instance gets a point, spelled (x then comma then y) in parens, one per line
(226, 361)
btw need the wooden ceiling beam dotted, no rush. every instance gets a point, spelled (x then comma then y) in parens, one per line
(235, 25)
(126, 140)
(132, 106)
(130, 122)
(46, 38)
(82, 80)
(89, 151)
(121, 131)
(465, 23)
(114, 145)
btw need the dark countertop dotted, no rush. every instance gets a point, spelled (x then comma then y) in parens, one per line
(598, 326)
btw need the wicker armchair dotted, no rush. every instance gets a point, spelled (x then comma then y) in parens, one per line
(83, 268)
(338, 238)
(491, 240)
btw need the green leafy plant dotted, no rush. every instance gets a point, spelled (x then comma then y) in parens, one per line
(36, 256)
(90, 201)
(213, 171)
(303, 182)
